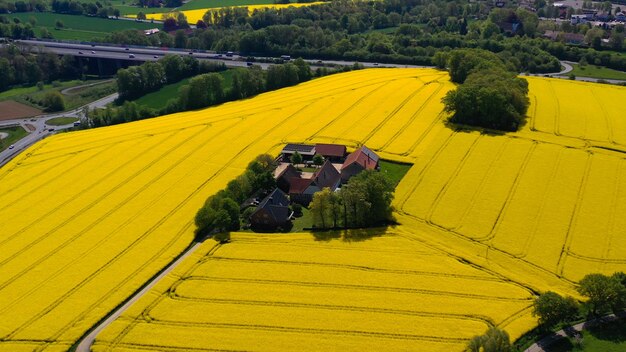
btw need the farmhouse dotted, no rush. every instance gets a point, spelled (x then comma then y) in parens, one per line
(302, 189)
(272, 212)
(360, 160)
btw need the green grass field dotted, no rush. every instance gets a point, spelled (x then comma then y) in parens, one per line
(394, 171)
(158, 99)
(597, 72)
(60, 121)
(14, 134)
(76, 27)
(608, 338)
(72, 101)
(17, 91)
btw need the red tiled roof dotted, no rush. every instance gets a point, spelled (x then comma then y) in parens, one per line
(364, 157)
(298, 185)
(330, 149)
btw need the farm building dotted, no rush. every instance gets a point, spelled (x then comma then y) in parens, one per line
(272, 212)
(336, 153)
(360, 160)
(302, 189)
(307, 151)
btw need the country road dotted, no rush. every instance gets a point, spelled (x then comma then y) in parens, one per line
(85, 343)
(42, 130)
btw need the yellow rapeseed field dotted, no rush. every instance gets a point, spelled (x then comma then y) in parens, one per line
(194, 16)
(486, 221)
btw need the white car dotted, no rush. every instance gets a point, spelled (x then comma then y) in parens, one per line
(11, 146)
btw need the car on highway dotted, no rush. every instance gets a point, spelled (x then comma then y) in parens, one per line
(93, 52)
(126, 49)
(132, 56)
(156, 57)
(50, 129)
(249, 63)
(80, 52)
(11, 146)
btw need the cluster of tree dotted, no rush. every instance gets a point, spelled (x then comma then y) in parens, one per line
(74, 7)
(604, 294)
(159, 3)
(53, 101)
(365, 201)
(23, 6)
(220, 213)
(15, 30)
(135, 81)
(19, 66)
(488, 94)
(202, 91)
(343, 30)
(493, 340)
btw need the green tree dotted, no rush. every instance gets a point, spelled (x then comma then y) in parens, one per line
(552, 308)
(53, 101)
(296, 158)
(494, 340)
(440, 59)
(464, 62)
(318, 160)
(320, 208)
(493, 99)
(603, 292)
(141, 16)
(58, 24)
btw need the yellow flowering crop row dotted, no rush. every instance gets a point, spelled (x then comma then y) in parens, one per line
(87, 217)
(288, 287)
(194, 16)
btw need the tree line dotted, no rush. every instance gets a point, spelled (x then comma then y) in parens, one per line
(19, 66)
(203, 90)
(221, 213)
(349, 30)
(488, 95)
(365, 201)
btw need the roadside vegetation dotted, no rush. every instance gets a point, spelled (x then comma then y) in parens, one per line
(51, 99)
(594, 71)
(604, 294)
(14, 134)
(609, 337)
(60, 121)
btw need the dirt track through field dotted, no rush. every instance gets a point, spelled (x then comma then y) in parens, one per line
(10, 110)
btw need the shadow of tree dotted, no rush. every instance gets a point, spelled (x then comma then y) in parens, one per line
(350, 235)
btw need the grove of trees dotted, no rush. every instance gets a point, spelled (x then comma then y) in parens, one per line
(489, 95)
(220, 213)
(365, 201)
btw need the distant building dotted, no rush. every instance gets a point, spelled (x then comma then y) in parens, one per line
(272, 212)
(336, 153)
(579, 19)
(620, 17)
(360, 160)
(285, 175)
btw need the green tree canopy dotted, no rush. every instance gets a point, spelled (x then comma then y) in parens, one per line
(603, 292)
(552, 308)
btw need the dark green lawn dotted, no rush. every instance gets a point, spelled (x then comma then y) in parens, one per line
(608, 338)
(394, 171)
(15, 134)
(78, 27)
(302, 222)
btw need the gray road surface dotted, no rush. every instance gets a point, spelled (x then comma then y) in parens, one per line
(42, 130)
(85, 344)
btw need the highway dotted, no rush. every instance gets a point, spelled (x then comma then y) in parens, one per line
(153, 54)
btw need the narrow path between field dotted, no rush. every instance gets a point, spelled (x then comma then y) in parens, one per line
(85, 344)
(68, 91)
(544, 344)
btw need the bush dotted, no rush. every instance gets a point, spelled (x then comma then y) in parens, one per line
(53, 101)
